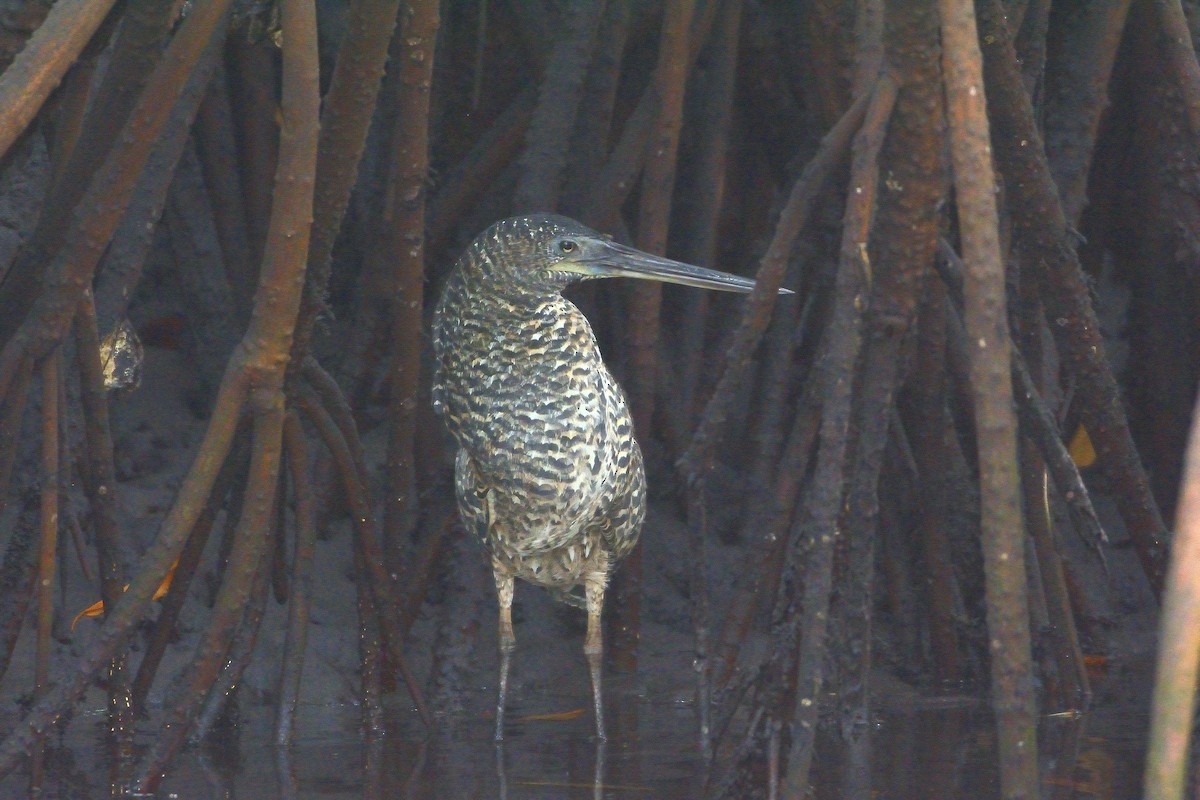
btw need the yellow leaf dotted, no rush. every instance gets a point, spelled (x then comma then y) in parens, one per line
(555, 716)
(1080, 448)
(161, 591)
(96, 609)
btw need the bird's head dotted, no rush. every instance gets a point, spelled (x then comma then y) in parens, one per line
(545, 253)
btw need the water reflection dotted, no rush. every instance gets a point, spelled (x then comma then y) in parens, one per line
(597, 783)
(932, 748)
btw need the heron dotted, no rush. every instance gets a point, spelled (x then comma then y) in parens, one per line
(548, 472)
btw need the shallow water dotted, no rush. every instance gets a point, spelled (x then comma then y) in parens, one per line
(931, 747)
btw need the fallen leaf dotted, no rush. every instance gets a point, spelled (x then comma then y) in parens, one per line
(1081, 449)
(96, 609)
(554, 716)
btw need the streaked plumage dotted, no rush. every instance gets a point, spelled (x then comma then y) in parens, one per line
(548, 473)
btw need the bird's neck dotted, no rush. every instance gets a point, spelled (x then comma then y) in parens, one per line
(470, 292)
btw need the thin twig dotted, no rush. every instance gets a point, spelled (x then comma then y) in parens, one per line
(381, 586)
(101, 488)
(235, 468)
(300, 601)
(51, 373)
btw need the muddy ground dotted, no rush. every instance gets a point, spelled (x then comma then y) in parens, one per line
(921, 730)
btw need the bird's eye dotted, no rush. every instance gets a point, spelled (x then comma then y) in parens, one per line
(566, 246)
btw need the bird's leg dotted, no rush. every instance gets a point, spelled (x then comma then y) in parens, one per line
(508, 641)
(598, 782)
(501, 770)
(593, 645)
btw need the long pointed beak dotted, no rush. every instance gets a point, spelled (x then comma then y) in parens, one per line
(618, 260)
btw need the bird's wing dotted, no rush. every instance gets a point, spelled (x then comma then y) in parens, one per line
(621, 524)
(474, 496)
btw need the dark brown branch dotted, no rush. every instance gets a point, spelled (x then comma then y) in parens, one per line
(1029, 41)
(51, 374)
(463, 185)
(404, 249)
(348, 460)
(249, 543)
(549, 133)
(903, 240)
(138, 45)
(770, 529)
(13, 409)
(1072, 685)
(783, 337)
(593, 129)
(654, 215)
(1181, 58)
(370, 653)
(1076, 96)
(253, 71)
(924, 412)
(1040, 227)
(815, 528)
(207, 298)
(300, 600)
(345, 120)
(654, 208)
(235, 468)
(1076, 692)
(616, 180)
(100, 485)
(321, 401)
(224, 689)
(984, 301)
(41, 64)
(120, 269)
(17, 572)
(768, 279)
(265, 352)
(1036, 418)
(279, 543)
(703, 197)
(109, 192)
(423, 571)
(255, 372)
(217, 150)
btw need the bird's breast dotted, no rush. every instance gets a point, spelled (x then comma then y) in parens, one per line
(543, 421)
